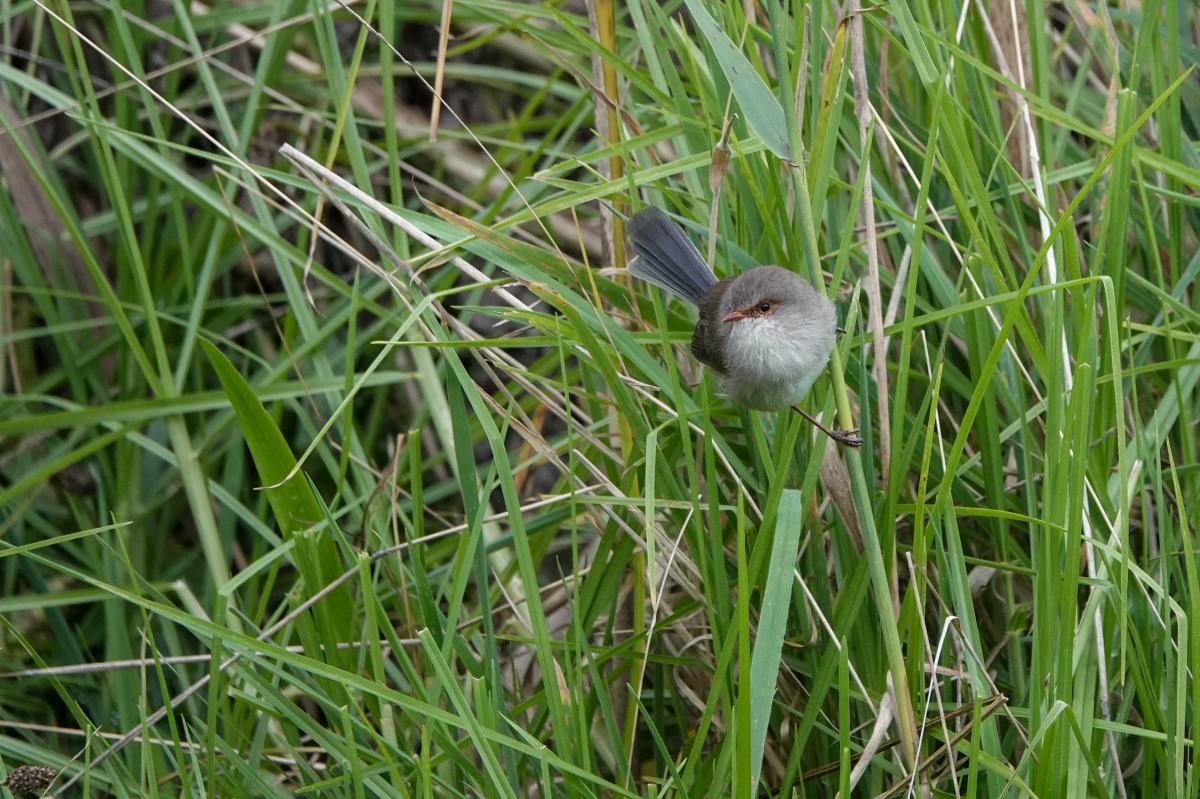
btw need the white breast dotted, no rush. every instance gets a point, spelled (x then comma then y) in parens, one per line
(771, 365)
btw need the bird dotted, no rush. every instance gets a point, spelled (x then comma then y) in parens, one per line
(766, 333)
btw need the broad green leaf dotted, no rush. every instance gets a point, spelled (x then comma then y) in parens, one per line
(295, 505)
(757, 102)
(772, 623)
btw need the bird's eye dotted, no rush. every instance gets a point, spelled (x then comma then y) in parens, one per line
(764, 307)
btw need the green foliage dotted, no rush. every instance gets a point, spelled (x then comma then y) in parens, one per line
(446, 508)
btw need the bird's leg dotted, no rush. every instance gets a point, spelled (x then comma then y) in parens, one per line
(847, 438)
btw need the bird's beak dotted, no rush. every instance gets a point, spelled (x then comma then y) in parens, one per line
(733, 316)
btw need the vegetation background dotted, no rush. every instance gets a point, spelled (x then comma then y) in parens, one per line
(340, 457)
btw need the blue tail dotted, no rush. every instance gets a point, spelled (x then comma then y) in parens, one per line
(667, 258)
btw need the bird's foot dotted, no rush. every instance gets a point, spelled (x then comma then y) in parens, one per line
(848, 438)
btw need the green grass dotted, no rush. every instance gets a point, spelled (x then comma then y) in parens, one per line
(396, 485)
